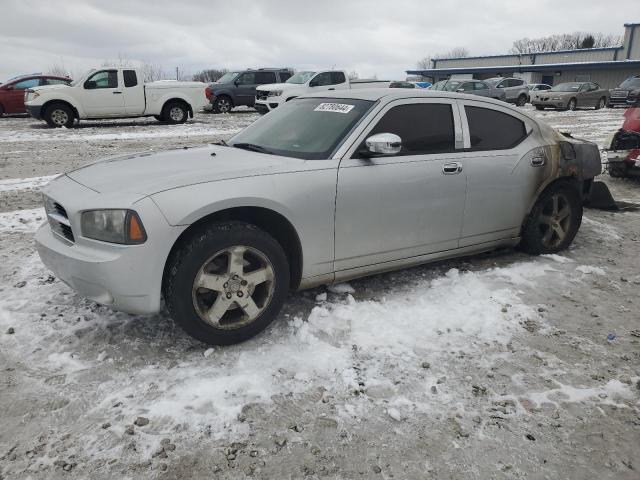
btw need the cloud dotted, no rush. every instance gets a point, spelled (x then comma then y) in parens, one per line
(371, 37)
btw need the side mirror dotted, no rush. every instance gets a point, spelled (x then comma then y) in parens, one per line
(90, 85)
(460, 90)
(382, 144)
(500, 86)
(236, 82)
(313, 83)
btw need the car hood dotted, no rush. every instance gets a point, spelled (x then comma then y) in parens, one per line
(558, 94)
(149, 173)
(279, 86)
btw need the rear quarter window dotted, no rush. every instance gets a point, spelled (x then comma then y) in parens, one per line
(493, 130)
(130, 78)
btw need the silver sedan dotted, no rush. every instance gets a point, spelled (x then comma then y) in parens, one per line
(326, 188)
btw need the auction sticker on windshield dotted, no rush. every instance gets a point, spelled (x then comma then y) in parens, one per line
(334, 107)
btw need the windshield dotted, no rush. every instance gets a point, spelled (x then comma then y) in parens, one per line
(307, 128)
(566, 87)
(493, 81)
(227, 77)
(82, 77)
(631, 83)
(301, 77)
(451, 85)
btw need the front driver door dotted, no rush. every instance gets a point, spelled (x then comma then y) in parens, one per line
(411, 204)
(102, 95)
(245, 89)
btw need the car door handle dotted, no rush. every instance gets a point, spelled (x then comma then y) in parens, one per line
(117, 93)
(451, 168)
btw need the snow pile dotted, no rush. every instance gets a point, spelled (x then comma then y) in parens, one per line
(22, 220)
(15, 184)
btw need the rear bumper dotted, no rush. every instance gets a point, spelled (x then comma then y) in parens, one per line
(34, 111)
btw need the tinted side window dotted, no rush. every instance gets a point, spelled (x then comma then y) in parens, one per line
(32, 82)
(480, 86)
(265, 77)
(515, 82)
(322, 79)
(105, 79)
(337, 78)
(247, 79)
(493, 130)
(466, 87)
(284, 76)
(130, 78)
(423, 127)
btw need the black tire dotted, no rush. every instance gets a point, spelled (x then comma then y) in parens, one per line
(159, 118)
(601, 103)
(186, 262)
(521, 101)
(539, 107)
(59, 115)
(617, 171)
(1, 111)
(222, 104)
(175, 112)
(536, 229)
(573, 103)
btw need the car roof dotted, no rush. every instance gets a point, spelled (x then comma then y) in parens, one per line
(375, 94)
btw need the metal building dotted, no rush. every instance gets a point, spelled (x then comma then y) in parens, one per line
(606, 66)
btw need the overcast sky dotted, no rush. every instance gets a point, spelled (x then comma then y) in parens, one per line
(371, 37)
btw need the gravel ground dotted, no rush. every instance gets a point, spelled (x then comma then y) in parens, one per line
(494, 366)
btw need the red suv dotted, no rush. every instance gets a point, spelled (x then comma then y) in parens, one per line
(12, 92)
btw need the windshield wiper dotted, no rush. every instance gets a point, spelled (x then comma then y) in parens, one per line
(252, 147)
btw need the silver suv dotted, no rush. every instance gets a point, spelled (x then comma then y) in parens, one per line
(515, 89)
(325, 188)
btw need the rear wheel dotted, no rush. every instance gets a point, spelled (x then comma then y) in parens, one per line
(522, 100)
(59, 115)
(554, 220)
(226, 283)
(222, 104)
(601, 103)
(175, 112)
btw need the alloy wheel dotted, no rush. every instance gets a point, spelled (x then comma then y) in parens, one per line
(554, 221)
(224, 106)
(233, 287)
(176, 114)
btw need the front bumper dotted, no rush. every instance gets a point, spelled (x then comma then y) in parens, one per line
(265, 106)
(34, 111)
(125, 277)
(549, 103)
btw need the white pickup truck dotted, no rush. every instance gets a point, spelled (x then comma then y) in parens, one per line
(113, 92)
(270, 96)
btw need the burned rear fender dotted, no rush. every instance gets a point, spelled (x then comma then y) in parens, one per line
(579, 159)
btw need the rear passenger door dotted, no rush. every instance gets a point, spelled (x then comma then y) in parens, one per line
(133, 91)
(411, 204)
(504, 167)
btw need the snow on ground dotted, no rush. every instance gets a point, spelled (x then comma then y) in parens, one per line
(448, 370)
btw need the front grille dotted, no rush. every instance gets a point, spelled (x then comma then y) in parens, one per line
(58, 219)
(619, 93)
(262, 95)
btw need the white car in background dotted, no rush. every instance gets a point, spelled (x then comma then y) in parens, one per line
(113, 92)
(271, 96)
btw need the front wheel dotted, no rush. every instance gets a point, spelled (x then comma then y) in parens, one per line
(59, 115)
(226, 283)
(554, 220)
(572, 104)
(522, 101)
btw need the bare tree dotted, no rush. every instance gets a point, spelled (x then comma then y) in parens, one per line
(152, 72)
(564, 41)
(427, 62)
(353, 75)
(58, 70)
(209, 75)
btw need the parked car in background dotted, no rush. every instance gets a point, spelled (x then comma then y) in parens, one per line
(269, 97)
(439, 85)
(626, 94)
(474, 87)
(235, 89)
(328, 187)
(515, 89)
(12, 91)
(114, 92)
(402, 85)
(422, 84)
(536, 88)
(571, 95)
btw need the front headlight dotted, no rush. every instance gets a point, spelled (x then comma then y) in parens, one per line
(114, 226)
(275, 93)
